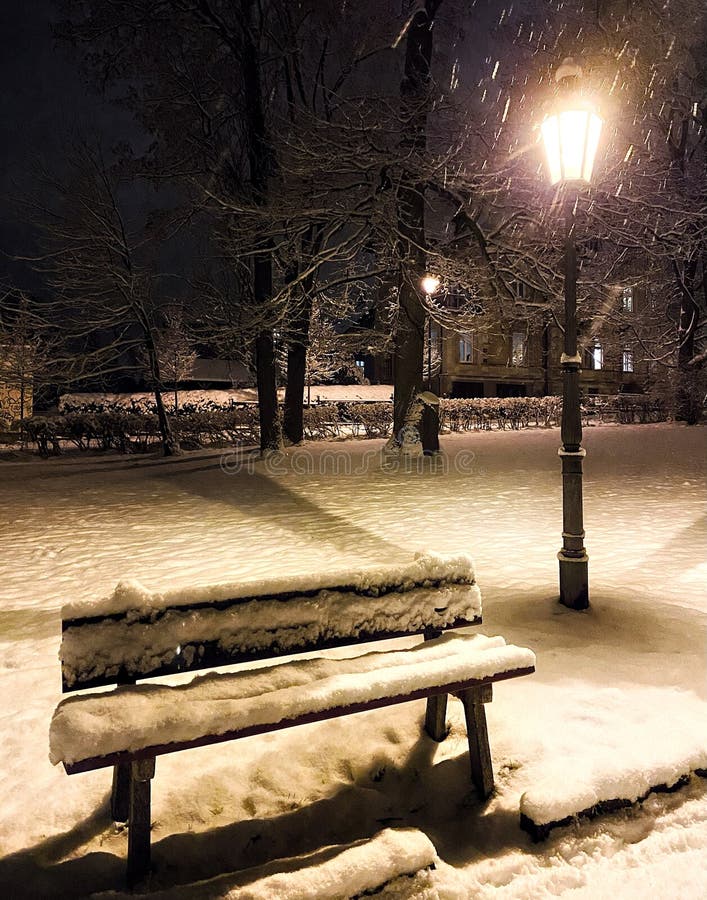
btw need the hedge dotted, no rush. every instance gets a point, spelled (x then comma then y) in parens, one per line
(135, 429)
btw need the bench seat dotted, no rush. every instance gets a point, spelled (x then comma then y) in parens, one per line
(142, 721)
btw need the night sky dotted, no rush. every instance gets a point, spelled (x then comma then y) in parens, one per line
(43, 99)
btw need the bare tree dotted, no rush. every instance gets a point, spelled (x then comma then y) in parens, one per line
(175, 351)
(100, 262)
(28, 356)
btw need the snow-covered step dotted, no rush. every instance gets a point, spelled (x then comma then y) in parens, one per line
(393, 863)
(613, 781)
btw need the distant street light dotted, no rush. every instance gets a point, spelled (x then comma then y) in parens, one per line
(430, 285)
(430, 412)
(571, 137)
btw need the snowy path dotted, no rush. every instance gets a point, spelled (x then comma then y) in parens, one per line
(631, 670)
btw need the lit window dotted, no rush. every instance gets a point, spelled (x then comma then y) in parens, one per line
(627, 300)
(596, 356)
(466, 348)
(627, 361)
(518, 346)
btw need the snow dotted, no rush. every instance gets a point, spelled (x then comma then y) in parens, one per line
(331, 393)
(131, 597)
(646, 759)
(627, 677)
(153, 631)
(147, 715)
(355, 869)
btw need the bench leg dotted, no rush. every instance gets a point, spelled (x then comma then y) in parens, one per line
(436, 713)
(436, 717)
(473, 700)
(120, 794)
(142, 771)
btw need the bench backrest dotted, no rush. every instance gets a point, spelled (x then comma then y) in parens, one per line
(135, 634)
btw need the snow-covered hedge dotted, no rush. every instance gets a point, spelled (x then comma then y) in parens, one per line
(500, 412)
(134, 428)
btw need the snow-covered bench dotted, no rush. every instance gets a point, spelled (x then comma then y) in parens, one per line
(135, 634)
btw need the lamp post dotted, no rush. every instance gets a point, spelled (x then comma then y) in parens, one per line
(430, 285)
(571, 136)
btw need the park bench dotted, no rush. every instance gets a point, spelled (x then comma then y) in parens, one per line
(136, 635)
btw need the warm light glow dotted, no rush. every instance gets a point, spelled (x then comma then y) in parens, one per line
(430, 284)
(571, 138)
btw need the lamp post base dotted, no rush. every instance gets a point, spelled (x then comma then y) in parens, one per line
(574, 580)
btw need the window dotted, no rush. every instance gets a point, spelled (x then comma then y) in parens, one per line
(521, 290)
(627, 300)
(466, 348)
(595, 356)
(627, 360)
(518, 348)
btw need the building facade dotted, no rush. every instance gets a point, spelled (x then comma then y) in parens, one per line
(521, 358)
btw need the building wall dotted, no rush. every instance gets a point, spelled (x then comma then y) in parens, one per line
(15, 403)
(490, 362)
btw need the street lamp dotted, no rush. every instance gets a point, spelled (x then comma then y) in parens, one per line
(430, 285)
(571, 137)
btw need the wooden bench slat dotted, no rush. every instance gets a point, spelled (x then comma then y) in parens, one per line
(210, 654)
(151, 616)
(157, 637)
(100, 762)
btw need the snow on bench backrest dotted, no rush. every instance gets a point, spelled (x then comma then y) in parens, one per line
(138, 634)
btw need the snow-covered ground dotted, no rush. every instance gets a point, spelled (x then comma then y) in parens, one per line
(317, 393)
(620, 691)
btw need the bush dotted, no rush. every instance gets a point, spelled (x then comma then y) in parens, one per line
(134, 428)
(376, 419)
(500, 412)
(322, 422)
(42, 432)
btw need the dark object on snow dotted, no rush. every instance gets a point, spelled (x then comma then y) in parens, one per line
(429, 422)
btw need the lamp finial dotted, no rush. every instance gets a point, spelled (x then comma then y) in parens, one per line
(568, 68)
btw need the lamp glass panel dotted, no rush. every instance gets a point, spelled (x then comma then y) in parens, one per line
(573, 138)
(595, 124)
(550, 130)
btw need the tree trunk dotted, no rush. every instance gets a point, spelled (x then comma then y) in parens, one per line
(266, 378)
(259, 163)
(265, 362)
(170, 445)
(409, 342)
(298, 343)
(408, 350)
(687, 399)
(293, 418)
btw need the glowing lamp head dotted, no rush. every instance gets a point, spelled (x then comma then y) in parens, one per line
(571, 133)
(430, 284)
